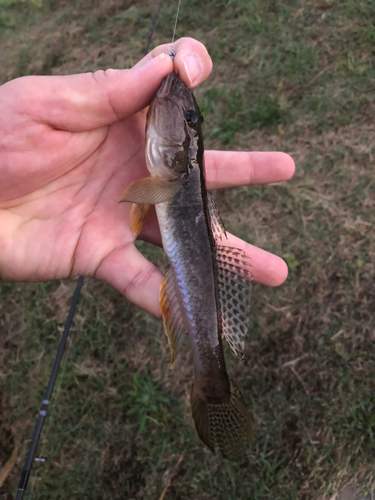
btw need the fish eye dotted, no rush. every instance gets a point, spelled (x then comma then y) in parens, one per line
(192, 118)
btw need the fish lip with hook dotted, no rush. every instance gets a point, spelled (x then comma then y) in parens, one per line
(206, 293)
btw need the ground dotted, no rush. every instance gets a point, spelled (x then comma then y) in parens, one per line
(296, 76)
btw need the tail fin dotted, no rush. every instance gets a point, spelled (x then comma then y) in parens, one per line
(226, 426)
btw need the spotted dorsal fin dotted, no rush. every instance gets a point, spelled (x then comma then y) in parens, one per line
(234, 287)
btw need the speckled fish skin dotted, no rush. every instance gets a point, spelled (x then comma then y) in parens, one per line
(174, 153)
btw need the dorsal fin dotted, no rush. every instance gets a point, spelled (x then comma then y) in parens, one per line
(172, 317)
(234, 287)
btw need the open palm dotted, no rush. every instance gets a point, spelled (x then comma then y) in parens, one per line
(69, 146)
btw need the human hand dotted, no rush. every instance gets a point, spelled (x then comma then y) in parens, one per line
(70, 145)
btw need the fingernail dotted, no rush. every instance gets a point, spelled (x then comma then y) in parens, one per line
(193, 67)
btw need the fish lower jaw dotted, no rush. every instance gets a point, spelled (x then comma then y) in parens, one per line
(155, 161)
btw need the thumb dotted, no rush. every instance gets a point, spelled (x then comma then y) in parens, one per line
(87, 101)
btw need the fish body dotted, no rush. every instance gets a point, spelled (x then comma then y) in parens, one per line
(206, 291)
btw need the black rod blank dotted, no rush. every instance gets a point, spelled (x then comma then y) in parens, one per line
(47, 397)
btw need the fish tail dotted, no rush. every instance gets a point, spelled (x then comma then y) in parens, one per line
(226, 426)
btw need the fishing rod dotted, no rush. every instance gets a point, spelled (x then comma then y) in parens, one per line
(47, 397)
(31, 458)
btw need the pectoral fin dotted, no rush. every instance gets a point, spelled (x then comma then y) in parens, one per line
(151, 191)
(234, 287)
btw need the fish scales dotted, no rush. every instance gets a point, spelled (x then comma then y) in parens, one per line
(188, 242)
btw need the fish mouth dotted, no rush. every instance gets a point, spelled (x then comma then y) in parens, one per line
(167, 90)
(169, 86)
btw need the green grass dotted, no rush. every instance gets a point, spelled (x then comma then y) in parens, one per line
(295, 76)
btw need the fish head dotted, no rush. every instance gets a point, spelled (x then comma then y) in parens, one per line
(173, 132)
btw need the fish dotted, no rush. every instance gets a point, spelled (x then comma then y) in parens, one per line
(206, 292)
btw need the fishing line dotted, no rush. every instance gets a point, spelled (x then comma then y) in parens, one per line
(171, 49)
(175, 23)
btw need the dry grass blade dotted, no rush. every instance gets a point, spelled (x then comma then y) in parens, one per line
(171, 474)
(6, 470)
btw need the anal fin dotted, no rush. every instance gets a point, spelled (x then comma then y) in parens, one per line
(234, 287)
(172, 318)
(138, 215)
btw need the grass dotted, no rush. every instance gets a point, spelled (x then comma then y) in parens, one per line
(296, 76)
